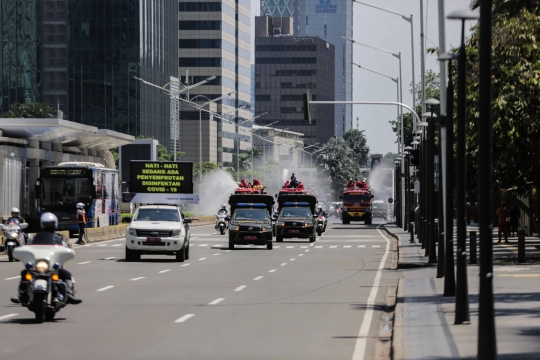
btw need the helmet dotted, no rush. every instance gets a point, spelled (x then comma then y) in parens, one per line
(49, 221)
(15, 210)
(223, 206)
(319, 207)
(80, 206)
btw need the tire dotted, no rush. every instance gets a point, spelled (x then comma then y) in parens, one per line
(10, 255)
(368, 222)
(222, 230)
(231, 245)
(132, 255)
(49, 315)
(346, 222)
(39, 308)
(269, 245)
(319, 232)
(181, 254)
(279, 238)
(187, 251)
(313, 238)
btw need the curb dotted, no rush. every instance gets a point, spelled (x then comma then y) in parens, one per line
(394, 264)
(398, 351)
(385, 335)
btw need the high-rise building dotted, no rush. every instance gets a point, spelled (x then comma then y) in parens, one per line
(330, 20)
(277, 7)
(82, 56)
(286, 67)
(215, 41)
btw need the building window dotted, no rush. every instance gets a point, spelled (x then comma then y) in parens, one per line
(274, 60)
(199, 62)
(262, 97)
(199, 25)
(199, 6)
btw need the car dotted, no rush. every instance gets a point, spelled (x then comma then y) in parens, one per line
(250, 222)
(379, 209)
(158, 230)
(296, 220)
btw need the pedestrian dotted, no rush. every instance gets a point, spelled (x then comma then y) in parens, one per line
(81, 218)
(515, 214)
(502, 221)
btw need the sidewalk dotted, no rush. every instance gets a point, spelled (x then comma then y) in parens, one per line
(424, 322)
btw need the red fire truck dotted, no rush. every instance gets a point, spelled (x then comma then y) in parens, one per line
(357, 203)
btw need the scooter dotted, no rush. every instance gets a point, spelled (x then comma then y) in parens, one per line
(13, 237)
(41, 290)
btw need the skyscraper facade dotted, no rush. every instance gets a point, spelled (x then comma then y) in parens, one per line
(215, 39)
(277, 7)
(82, 56)
(330, 20)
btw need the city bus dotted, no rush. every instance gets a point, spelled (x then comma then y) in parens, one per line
(61, 187)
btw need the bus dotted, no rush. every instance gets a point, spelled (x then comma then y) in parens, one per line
(61, 187)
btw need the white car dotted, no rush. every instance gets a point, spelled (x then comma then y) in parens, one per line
(159, 230)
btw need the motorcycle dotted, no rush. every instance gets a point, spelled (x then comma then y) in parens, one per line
(42, 291)
(221, 223)
(321, 224)
(13, 237)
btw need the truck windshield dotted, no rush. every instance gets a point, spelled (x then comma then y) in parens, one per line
(356, 197)
(255, 215)
(156, 215)
(66, 191)
(300, 213)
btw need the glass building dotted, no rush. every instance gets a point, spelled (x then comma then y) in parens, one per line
(83, 55)
(277, 7)
(214, 39)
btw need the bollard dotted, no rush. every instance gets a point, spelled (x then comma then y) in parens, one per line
(521, 246)
(472, 247)
(411, 230)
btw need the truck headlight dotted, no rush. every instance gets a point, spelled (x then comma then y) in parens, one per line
(42, 266)
(132, 232)
(176, 232)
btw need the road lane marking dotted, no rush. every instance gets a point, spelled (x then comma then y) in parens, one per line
(104, 245)
(202, 259)
(163, 271)
(12, 278)
(333, 247)
(292, 259)
(7, 316)
(360, 346)
(283, 264)
(105, 288)
(217, 301)
(376, 246)
(306, 250)
(361, 246)
(277, 247)
(203, 245)
(217, 254)
(240, 288)
(109, 258)
(139, 278)
(258, 278)
(318, 247)
(186, 265)
(289, 247)
(347, 246)
(84, 262)
(273, 270)
(184, 318)
(117, 245)
(304, 247)
(227, 250)
(300, 254)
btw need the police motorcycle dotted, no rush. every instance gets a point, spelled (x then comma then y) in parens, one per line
(12, 237)
(222, 223)
(321, 221)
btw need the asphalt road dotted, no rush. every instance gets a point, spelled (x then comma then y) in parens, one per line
(299, 300)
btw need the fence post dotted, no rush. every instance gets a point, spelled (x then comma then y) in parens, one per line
(472, 247)
(521, 246)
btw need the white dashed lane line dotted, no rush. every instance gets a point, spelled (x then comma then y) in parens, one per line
(283, 264)
(7, 316)
(292, 259)
(163, 271)
(202, 259)
(186, 264)
(184, 318)
(361, 246)
(217, 254)
(300, 254)
(139, 278)
(217, 301)
(258, 278)
(240, 288)
(84, 262)
(109, 258)
(12, 278)
(117, 245)
(105, 288)
(273, 270)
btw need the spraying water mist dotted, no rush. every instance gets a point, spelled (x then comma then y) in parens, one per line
(217, 187)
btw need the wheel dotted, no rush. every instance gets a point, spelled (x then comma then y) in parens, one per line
(132, 255)
(187, 251)
(346, 222)
(49, 315)
(368, 222)
(313, 238)
(269, 245)
(222, 230)
(319, 232)
(279, 238)
(39, 307)
(181, 254)
(231, 245)
(10, 255)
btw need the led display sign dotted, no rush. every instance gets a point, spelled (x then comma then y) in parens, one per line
(161, 177)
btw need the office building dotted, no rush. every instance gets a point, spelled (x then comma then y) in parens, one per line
(330, 20)
(286, 67)
(277, 8)
(214, 39)
(82, 56)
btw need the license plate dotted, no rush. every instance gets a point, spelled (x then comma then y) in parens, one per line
(294, 231)
(153, 239)
(250, 237)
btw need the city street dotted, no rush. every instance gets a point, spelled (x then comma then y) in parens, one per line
(299, 300)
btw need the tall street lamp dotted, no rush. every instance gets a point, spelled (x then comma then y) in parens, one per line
(462, 315)
(431, 184)
(449, 274)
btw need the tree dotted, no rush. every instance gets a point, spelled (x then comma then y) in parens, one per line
(207, 167)
(516, 104)
(337, 158)
(36, 110)
(358, 144)
(510, 7)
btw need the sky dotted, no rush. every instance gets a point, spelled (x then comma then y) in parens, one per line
(390, 32)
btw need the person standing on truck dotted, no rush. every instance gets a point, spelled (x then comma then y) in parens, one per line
(81, 218)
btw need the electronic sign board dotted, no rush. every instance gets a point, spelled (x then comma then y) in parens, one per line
(161, 177)
(65, 172)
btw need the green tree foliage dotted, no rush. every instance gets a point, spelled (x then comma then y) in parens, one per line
(337, 158)
(516, 103)
(510, 7)
(358, 144)
(36, 110)
(207, 167)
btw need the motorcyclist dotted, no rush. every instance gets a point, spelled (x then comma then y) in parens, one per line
(221, 211)
(321, 212)
(47, 236)
(16, 215)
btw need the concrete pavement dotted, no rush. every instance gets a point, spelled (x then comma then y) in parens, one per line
(300, 300)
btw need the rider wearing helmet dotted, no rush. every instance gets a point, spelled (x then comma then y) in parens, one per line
(221, 211)
(321, 212)
(16, 215)
(81, 218)
(47, 236)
